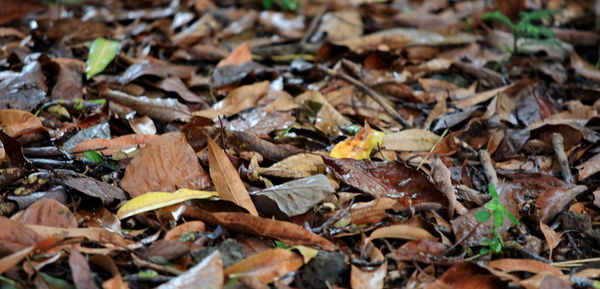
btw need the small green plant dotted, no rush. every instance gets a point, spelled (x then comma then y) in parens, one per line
(526, 28)
(290, 5)
(496, 210)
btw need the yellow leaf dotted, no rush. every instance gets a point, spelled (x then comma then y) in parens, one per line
(156, 200)
(307, 252)
(359, 146)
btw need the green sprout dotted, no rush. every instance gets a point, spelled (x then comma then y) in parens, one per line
(289, 5)
(496, 210)
(526, 28)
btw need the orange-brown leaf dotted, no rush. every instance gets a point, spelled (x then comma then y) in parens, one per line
(267, 265)
(112, 146)
(238, 56)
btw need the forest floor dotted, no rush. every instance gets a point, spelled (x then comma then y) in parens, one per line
(299, 144)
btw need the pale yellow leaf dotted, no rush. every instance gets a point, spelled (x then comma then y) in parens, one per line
(156, 200)
(416, 139)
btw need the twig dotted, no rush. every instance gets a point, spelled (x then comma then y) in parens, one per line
(314, 24)
(380, 99)
(464, 238)
(488, 168)
(559, 150)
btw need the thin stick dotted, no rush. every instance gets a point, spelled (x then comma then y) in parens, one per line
(488, 168)
(380, 99)
(314, 24)
(559, 150)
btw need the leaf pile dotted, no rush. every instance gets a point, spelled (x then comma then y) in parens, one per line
(299, 144)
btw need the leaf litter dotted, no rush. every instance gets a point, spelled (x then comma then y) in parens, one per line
(299, 144)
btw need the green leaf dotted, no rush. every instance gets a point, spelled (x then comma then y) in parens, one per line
(483, 216)
(512, 218)
(484, 251)
(496, 246)
(102, 52)
(498, 218)
(55, 283)
(493, 191)
(93, 156)
(267, 4)
(291, 5)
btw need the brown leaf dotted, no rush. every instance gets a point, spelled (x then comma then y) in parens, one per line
(584, 68)
(14, 10)
(327, 118)
(552, 238)
(373, 277)
(239, 99)
(553, 200)
(160, 109)
(238, 56)
(17, 122)
(47, 212)
(424, 251)
(69, 83)
(386, 179)
(297, 166)
(192, 226)
(109, 147)
(80, 271)
(341, 25)
(441, 176)
(589, 168)
(108, 264)
(25, 89)
(174, 84)
(467, 276)
(208, 273)
(98, 235)
(402, 231)
(259, 122)
(166, 164)
(267, 265)
(528, 265)
(289, 233)
(15, 237)
(371, 212)
(160, 69)
(227, 181)
(90, 186)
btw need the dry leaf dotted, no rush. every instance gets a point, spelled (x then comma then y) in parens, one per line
(552, 238)
(80, 271)
(415, 139)
(297, 166)
(238, 56)
(267, 265)
(15, 237)
(109, 147)
(208, 274)
(16, 123)
(371, 278)
(527, 265)
(160, 109)
(402, 231)
(47, 212)
(99, 235)
(359, 146)
(191, 226)
(156, 200)
(328, 119)
(237, 100)
(166, 164)
(227, 181)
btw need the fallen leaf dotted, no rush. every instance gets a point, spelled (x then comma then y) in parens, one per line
(297, 166)
(424, 251)
(191, 226)
(371, 212)
(295, 197)
(287, 232)
(109, 147)
(589, 168)
(160, 69)
(16, 123)
(328, 119)
(238, 56)
(227, 181)
(359, 146)
(267, 265)
(259, 122)
(160, 109)
(467, 275)
(23, 90)
(167, 163)
(369, 278)
(553, 200)
(156, 200)
(341, 25)
(174, 84)
(69, 83)
(237, 100)
(441, 176)
(47, 212)
(98, 235)
(15, 237)
(402, 231)
(209, 273)
(90, 186)
(584, 68)
(390, 179)
(414, 139)
(527, 265)
(80, 271)
(101, 53)
(552, 238)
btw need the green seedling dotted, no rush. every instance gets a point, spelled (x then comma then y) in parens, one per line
(525, 28)
(496, 210)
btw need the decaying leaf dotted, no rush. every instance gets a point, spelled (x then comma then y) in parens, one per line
(268, 265)
(167, 163)
(47, 212)
(160, 109)
(226, 179)
(294, 197)
(418, 140)
(209, 273)
(359, 146)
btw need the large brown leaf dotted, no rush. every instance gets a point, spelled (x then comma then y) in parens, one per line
(287, 232)
(267, 265)
(160, 109)
(80, 271)
(239, 99)
(208, 273)
(47, 212)
(69, 84)
(386, 179)
(166, 164)
(227, 181)
(17, 122)
(15, 237)
(553, 200)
